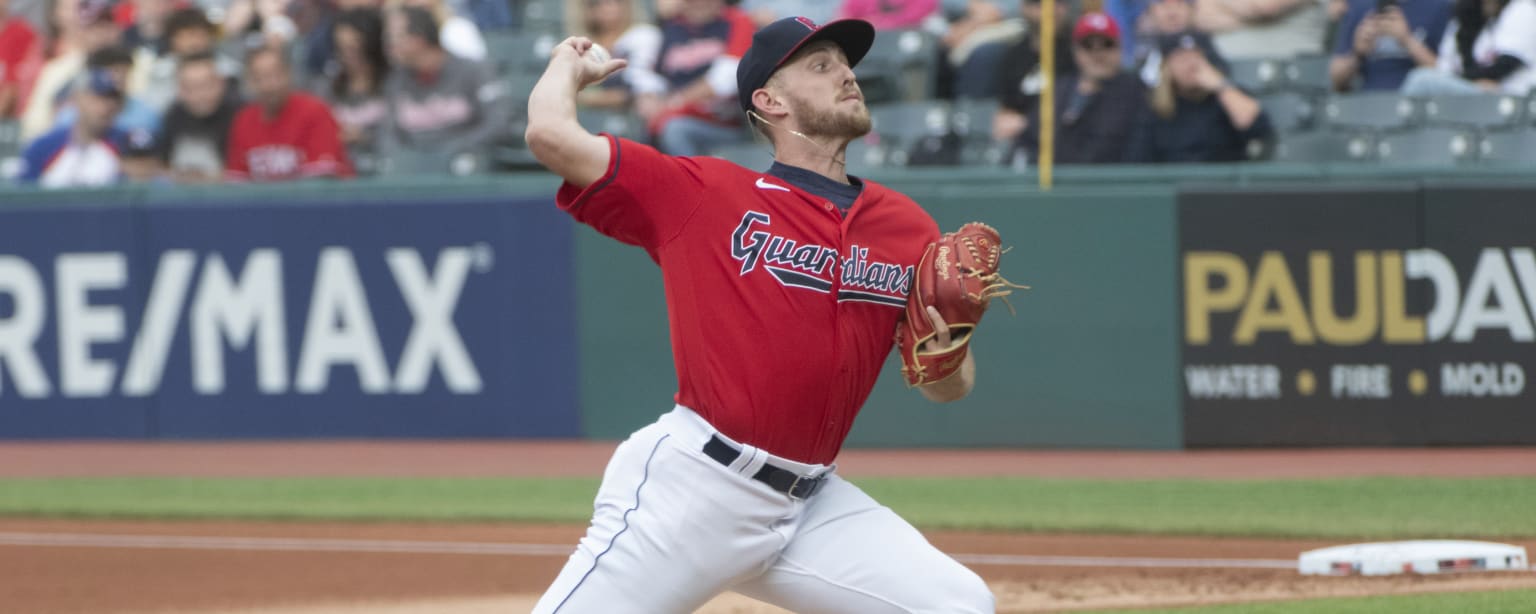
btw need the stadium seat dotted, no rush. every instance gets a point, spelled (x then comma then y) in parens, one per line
(1481, 111)
(1289, 111)
(519, 85)
(865, 155)
(752, 155)
(901, 65)
(1375, 110)
(1319, 147)
(1427, 146)
(10, 149)
(10, 138)
(520, 51)
(410, 162)
(1308, 73)
(972, 120)
(1511, 148)
(545, 15)
(902, 123)
(1258, 76)
(618, 124)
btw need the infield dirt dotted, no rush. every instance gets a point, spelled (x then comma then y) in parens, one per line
(309, 578)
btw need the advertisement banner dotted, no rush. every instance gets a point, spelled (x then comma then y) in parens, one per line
(1358, 316)
(256, 320)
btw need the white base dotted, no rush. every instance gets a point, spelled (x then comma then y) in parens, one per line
(1421, 557)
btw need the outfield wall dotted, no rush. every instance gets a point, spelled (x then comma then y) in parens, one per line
(473, 308)
(1382, 314)
(250, 318)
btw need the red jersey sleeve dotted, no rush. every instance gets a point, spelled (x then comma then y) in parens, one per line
(324, 155)
(643, 199)
(237, 166)
(19, 40)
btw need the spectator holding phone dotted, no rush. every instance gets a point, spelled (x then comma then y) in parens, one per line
(1171, 20)
(1490, 47)
(1380, 41)
(1196, 114)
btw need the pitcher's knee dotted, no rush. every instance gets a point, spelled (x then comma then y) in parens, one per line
(961, 592)
(975, 596)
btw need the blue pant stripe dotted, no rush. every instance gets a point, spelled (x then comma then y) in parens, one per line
(646, 475)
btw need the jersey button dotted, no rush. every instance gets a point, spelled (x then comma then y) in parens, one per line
(829, 206)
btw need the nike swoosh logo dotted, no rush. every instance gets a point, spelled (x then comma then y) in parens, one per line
(763, 185)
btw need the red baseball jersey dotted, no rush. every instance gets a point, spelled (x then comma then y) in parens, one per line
(782, 308)
(301, 141)
(18, 60)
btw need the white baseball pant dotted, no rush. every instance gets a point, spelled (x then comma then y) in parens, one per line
(673, 527)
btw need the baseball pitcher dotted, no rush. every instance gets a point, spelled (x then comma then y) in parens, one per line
(785, 290)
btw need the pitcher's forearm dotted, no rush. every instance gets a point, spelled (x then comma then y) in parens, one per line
(954, 387)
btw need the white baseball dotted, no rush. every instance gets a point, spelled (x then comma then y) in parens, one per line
(598, 55)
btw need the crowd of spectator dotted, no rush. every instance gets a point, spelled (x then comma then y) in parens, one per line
(174, 91)
(182, 91)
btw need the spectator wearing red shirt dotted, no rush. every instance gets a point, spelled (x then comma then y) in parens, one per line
(282, 134)
(18, 49)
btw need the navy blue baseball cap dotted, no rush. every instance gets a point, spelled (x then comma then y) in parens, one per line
(773, 45)
(100, 82)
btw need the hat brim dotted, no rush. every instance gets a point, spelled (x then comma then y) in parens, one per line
(854, 36)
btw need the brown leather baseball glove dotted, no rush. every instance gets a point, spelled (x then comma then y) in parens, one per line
(958, 276)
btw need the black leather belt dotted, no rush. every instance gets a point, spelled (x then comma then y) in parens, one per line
(782, 480)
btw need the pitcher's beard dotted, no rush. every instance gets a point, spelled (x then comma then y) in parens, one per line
(836, 123)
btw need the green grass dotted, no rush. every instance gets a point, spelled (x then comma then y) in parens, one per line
(454, 499)
(1492, 602)
(1366, 508)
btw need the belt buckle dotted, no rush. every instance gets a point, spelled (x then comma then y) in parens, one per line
(812, 485)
